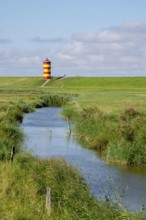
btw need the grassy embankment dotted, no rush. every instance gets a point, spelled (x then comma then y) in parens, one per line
(119, 138)
(111, 117)
(24, 182)
(111, 111)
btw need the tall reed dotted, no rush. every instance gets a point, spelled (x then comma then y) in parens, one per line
(119, 138)
(23, 183)
(23, 192)
(11, 116)
(51, 100)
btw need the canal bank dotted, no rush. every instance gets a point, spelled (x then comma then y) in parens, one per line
(46, 137)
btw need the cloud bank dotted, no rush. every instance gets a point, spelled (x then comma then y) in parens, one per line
(5, 40)
(48, 40)
(118, 50)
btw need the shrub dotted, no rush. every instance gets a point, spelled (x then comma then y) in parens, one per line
(129, 114)
(51, 101)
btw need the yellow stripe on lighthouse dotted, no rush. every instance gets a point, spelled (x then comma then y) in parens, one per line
(45, 75)
(47, 69)
(46, 65)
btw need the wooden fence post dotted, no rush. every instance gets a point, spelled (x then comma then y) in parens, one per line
(12, 153)
(48, 201)
(69, 127)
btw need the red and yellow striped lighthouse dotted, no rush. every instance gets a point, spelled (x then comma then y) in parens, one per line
(47, 69)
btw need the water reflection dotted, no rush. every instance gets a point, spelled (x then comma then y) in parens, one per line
(46, 136)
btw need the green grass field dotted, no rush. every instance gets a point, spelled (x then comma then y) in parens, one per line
(76, 84)
(24, 182)
(108, 93)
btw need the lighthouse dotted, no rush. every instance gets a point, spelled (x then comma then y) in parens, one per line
(47, 69)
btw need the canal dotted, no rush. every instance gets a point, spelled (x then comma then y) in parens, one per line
(46, 135)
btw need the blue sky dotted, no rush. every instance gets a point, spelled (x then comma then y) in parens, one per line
(96, 37)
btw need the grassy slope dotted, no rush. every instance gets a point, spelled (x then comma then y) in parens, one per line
(109, 93)
(104, 83)
(73, 83)
(14, 83)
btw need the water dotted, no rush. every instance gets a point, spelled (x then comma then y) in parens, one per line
(47, 136)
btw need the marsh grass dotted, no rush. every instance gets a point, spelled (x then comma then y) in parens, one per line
(130, 143)
(69, 114)
(11, 116)
(23, 183)
(24, 107)
(23, 192)
(10, 134)
(93, 128)
(51, 100)
(120, 138)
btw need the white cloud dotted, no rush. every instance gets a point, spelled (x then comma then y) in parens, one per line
(25, 60)
(121, 49)
(48, 40)
(117, 50)
(17, 62)
(5, 40)
(131, 27)
(103, 36)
